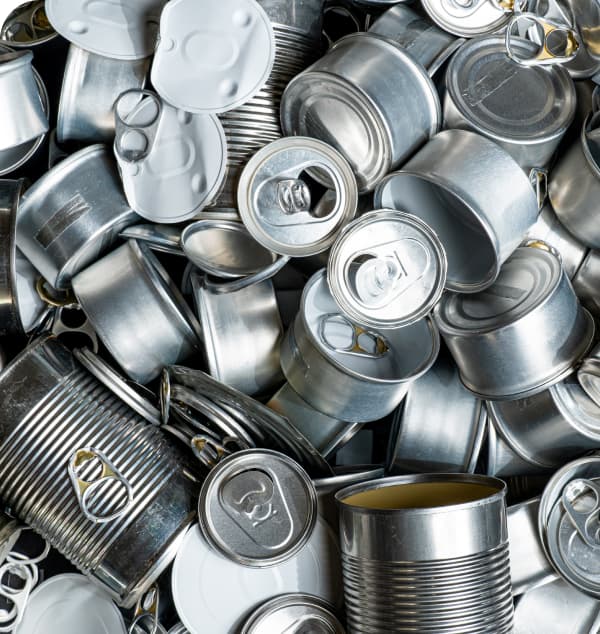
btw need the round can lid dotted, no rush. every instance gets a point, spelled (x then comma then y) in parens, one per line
(526, 279)
(215, 57)
(387, 269)
(121, 30)
(276, 201)
(25, 23)
(467, 19)
(397, 355)
(482, 82)
(294, 613)
(257, 507)
(589, 376)
(582, 412)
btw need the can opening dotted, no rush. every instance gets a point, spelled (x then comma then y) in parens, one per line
(420, 495)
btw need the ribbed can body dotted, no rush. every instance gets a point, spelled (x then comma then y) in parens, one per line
(51, 408)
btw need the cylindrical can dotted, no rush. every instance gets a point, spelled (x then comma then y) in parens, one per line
(402, 573)
(71, 215)
(585, 15)
(474, 195)
(58, 423)
(137, 311)
(373, 122)
(468, 19)
(520, 336)
(481, 83)
(587, 282)
(348, 372)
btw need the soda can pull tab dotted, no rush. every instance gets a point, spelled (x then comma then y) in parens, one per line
(465, 8)
(86, 486)
(146, 611)
(133, 143)
(551, 36)
(342, 336)
(17, 597)
(581, 500)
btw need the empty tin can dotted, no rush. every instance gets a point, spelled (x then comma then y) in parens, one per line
(471, 192)
(61, 428)
(481, 83)
(532, 301)
(137, 311)
(71, 215)
(586, 282)
(417, 579)
(348, 372)
(439, 426)
(473, 17)
(374, 123)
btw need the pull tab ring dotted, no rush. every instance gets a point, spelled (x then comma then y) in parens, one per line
(586, 520)
(146, 609)
(133, 142)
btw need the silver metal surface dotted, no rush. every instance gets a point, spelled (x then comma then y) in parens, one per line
(71, 215)
(140, 316)
(346, 100)
(588, 375)
(91, 85)
(257, 507)
(586, 17)
(470, 192)
(424, 581)
(50, 409)
(471, 18)
(439, 426)
(25, 24)
(520, 336)
(242, 333)
(481, 84)
(347, 372)
(587, 282)
(387, 269)
(163, 238)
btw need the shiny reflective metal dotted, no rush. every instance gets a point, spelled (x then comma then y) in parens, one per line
(25, 24)
(469, 191)
(345, 100)
(33, 310)
(439, 426)
(51, 407)
(423, 40)
(532, 301)
(585, 16)
(347, 372)
(242, 333)
(481, 84)
(326, 434)
(146, 613)
(293, 613)
(548, 229)
(16, 598)
(160, 237)
(70, 326)
(257, 507)
(140, 317)
(586, 282)
(276, 202)
(71, 215)
(91, 85)
(424, 581)
(386, 270)
(9, 534)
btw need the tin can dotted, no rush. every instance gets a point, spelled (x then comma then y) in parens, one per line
(471, 192)
(58, 423)
(587, 280)
(439, 426)
(531, 301)
(71, 215)
(25, 24)
(470, 19)
(140, 316)
(348, 372)
(585, 15)
(388, 583)
(374, 123)
(481, 83)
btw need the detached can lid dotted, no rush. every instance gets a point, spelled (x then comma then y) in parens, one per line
(257, 507)
(387, 269)
(212, 56)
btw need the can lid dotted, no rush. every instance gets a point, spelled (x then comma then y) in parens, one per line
(526, 279)
(294, 613)
(213, 57)
(395, 356)
(25, 23)
(482, 82)
(469, 18)
(257, 507)
(581, 411)
(387, 269)
(589, 376)
(275, 197)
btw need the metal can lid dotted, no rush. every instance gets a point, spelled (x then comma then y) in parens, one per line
(387, 269)
(526, 279)
(395, 356)
(589, 375)
(25, 23)
(482, 82)
(257, 507)
(468, 19)
(294, 613)
(276, 202)
(213, 57)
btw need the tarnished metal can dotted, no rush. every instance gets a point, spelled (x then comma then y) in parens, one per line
(415, 578)
(88, 474)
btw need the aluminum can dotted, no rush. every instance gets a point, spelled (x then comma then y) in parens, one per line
(586, 281)
(469, 19)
